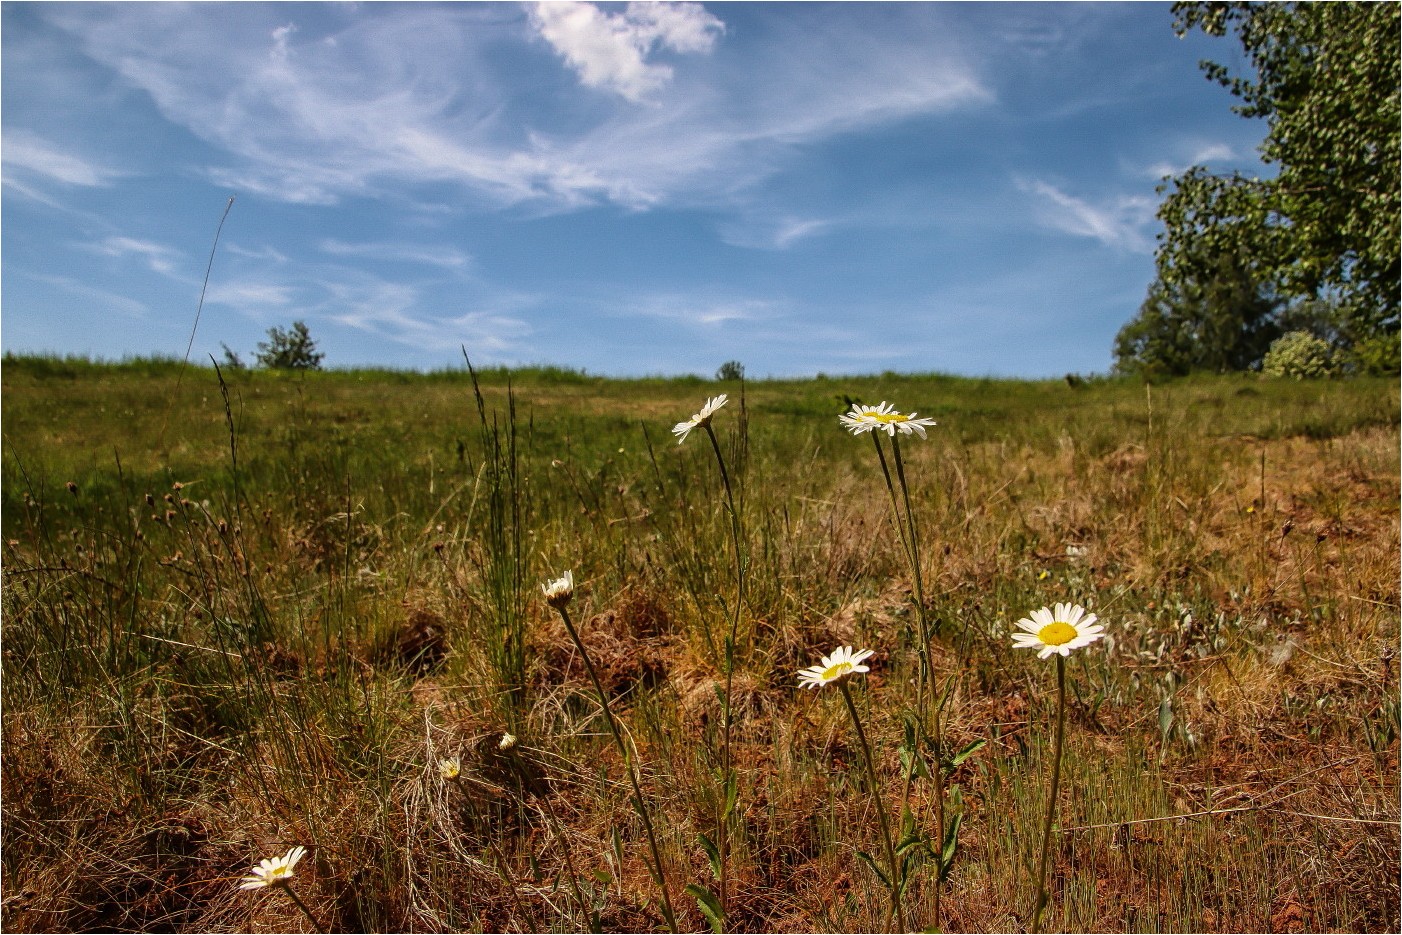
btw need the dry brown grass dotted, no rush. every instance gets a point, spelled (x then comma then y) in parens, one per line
(288, 666)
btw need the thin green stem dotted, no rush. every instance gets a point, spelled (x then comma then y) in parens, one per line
(1051, 798)
(910, 543)
(891, 489)
(639, 805)
(896, 911)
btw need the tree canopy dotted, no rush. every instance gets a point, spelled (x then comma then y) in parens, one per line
(1323, 232)
(1220, 320)
(292, 349)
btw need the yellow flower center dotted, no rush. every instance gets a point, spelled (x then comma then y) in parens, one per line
(1056, 634)
(890, 416)
(836, 670)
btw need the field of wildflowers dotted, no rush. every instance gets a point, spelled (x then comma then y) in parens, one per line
(500, 652)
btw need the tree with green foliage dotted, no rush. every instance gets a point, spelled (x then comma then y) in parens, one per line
(293, 349)
(1220, 320)
(1325, 227)
(731, 370)
(232, 360)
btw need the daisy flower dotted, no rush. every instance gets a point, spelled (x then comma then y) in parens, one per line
(682, 429)
(273, 871)
(842, 663)
(559, 591)
(450, 768)
(884, 418)
(1058, 629)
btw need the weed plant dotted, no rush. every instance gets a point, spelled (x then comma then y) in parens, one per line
(267, 627)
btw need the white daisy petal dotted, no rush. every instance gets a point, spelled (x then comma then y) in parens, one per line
(682, 429)
(273, 871)
(835, 666)
(884, 418)
(559, 592)
(1059, 629)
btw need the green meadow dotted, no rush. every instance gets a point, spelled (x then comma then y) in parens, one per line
(254, 610)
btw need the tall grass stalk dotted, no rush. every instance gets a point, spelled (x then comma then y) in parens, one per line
(505, 564)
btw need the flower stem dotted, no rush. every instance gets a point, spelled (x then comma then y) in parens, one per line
(639, 805)
(1051, 799)
(896, 911)
(927, 675)
(303, 906)
(910, 543)
(727, 718)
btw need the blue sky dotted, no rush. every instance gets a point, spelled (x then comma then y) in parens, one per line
(630, 189)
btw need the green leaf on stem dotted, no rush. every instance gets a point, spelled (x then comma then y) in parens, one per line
(967, 751)
(871, 862)
(709, 905)
(712, 853)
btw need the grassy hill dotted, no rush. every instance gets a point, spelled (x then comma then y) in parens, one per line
(248, 612)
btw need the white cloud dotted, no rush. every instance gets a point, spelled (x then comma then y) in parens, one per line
(251, 293)
(158, 257)
(105, 299)
(770, 233)
(1204, 154)
(395, 104)
(683, 27)
(262, 253)
(609, 50)
(1122, 223)
(426, 254)
(791, 230)
(702, 310)
(392, 311)
(22, 149)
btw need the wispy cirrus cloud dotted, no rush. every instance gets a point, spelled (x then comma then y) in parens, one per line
(407, 311)
(770, 232)
(395, 311)
(423, 254)
(160, 258)
(1121, 222)
(610, 50)
(37, 156)
(386, 105)
(703, 310)
(252, 295)
(264, 252)
(1201, 155)
(104, 298)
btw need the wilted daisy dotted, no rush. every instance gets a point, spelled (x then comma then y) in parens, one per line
(1058, 629)
(884, 418)
(559, 591)
(682, 429)
(273, 871)
(450, 768)
(841, 663)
